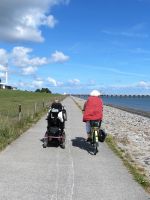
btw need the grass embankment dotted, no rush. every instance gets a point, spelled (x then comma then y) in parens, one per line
(13, 122)
(137, 172)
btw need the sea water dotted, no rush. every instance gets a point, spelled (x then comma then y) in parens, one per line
(135, 102)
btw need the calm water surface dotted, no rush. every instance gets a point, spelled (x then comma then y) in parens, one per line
(138, 103)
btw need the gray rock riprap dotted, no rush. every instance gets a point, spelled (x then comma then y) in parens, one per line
(132, 133)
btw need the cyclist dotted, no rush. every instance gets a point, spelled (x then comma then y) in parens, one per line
(93, 110)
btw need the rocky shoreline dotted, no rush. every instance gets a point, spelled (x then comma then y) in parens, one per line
(131, 110)
(131, 132)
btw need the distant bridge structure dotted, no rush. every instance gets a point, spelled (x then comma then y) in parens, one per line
(114, 95)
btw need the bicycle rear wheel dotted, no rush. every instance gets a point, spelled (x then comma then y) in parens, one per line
(95, 142)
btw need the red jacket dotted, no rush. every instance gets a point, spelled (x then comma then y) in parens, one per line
(93, 109)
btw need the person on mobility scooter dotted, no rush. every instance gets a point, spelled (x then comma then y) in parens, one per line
(56, 118)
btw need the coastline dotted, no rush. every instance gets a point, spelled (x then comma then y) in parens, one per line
(131, 110)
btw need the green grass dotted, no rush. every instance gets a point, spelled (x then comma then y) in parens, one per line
(33, 105)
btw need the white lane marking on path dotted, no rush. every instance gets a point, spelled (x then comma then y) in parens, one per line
(69, 176)
(54, 196)
(70, 187)
(70, 179)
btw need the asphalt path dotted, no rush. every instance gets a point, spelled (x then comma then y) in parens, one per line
(30, 172)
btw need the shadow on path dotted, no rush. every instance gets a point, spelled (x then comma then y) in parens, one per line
(81, 143)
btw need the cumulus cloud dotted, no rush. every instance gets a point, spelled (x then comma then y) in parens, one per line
(37, 83)
(2, 68)
(29, 70)
(3, 57)
(59, 57)
(74, 81)
(2, 75)
(144, 84)
(54, 82)
(3, 63)
(21, 58)
(22, 20)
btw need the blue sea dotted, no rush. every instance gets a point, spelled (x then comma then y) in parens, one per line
(141, 103)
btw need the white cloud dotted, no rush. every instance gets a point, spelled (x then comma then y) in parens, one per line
(59, 57)
(2, 75)
(37, 83)
(144, 84)
(2, 68)
(74, 81)
(29, 70)
(141, 84)
(52, 81)
(136, 31)
(50, 21)
(21, 58)
(21, 20)
(3, 57)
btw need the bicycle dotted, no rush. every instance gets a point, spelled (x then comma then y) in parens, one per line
(95, 128)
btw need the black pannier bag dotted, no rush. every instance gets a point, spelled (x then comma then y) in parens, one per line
(102, 135)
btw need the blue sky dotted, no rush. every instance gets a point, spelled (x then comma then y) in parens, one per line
(74, 46)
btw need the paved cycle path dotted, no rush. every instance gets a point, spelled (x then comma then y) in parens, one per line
(30, 172)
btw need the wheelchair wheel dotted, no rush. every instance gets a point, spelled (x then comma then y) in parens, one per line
(45, 142)
(62, 143)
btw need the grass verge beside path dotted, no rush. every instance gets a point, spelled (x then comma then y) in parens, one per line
(12, 131)
(33, 107)
(137, 172)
